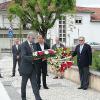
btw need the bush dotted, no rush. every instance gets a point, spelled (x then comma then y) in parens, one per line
(96, 60)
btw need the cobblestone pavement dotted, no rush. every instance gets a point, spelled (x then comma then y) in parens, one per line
(60, 89)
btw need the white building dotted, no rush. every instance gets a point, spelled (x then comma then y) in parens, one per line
(5, 41)
(85, 22)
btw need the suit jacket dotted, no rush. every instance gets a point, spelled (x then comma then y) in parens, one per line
(84, 59)
(55, 47)
(27, 65)
(16, 52)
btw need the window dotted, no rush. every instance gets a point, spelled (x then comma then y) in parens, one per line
(64, 39)
(78, 19)
(60, 35)
(62, 29)
(64, 35)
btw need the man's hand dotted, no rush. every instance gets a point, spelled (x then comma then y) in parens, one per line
(36, 58)
(43, 59)
(71, 57)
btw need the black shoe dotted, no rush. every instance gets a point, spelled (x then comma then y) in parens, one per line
(80, 88)
(45, 87)
(23, 98)
(56, 77)
(47, 75)
(85, 88)
(61, 77)
(13, 76)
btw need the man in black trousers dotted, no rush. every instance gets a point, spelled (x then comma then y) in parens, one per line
(41, 63)
(84, 60)
(27, 68)
(16, 50)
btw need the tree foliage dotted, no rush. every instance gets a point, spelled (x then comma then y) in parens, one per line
(41, 14)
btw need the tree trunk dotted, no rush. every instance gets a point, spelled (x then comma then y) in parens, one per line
(43, 33)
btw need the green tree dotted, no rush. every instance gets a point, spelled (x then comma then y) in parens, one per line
(41, 14)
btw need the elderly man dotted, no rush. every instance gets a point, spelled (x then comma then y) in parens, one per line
(16, 50)
(27, 68)
(84, 60)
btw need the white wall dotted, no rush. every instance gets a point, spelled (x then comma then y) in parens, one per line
(1, 1)
(15, 21)
(88, 3)
(90, 30)
(53, 32)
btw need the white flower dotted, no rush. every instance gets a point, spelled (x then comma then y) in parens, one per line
(46, 52)
(34, 53)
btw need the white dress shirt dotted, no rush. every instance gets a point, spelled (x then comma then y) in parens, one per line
(58, 45)
(42, 47)
(81, 48)
(17, 46)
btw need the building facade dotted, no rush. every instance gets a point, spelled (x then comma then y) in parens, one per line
(85, 22)
(6, 40)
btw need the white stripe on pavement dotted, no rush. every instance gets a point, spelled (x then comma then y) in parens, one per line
(3, 93)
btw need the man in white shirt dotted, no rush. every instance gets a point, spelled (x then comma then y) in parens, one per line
(84, 60)
(41, 63)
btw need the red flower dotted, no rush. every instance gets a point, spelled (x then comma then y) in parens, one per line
(52, 52)
(64, 54)
(40, 53)
(63, 66)
(64, 49)
(69, 63)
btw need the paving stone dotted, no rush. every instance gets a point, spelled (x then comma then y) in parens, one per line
(60, 89)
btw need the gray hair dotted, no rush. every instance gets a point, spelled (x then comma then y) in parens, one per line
(81, 37)
(30, 34)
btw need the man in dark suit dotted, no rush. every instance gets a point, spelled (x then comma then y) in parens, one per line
(16, 50)
(84, 60)
(27, 68)
(41, 63)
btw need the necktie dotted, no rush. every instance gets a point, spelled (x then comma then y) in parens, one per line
(31, 45)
